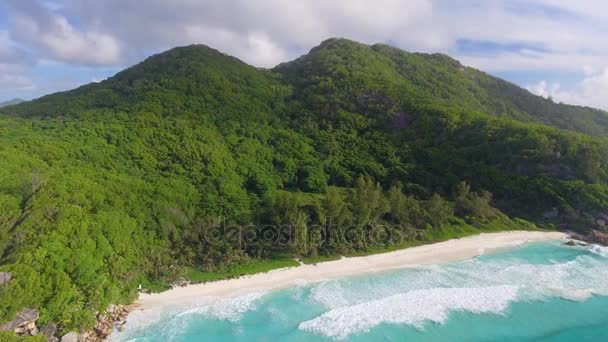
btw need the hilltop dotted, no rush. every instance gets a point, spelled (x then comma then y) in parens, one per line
(332, 68)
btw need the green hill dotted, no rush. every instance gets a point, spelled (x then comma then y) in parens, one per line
(355, 71)
(193, 163)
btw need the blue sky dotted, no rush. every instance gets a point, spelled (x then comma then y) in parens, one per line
(552, 47)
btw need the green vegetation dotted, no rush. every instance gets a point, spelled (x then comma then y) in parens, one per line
(194, 163)
(6, 336)
(252, 267)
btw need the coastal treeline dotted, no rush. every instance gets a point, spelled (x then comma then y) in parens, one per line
(194, 163)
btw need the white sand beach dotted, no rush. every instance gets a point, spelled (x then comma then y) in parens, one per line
(443, 252)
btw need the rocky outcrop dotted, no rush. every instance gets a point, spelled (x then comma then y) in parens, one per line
(24, 323)
(598, 238)
(5, 277)
(594, 237)
(570, 219)
(49, 331)
(115, 316)
(72, 336)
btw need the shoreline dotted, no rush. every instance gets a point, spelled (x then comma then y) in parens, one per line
(436, 253)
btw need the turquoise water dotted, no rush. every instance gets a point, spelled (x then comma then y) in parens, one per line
(537, 292)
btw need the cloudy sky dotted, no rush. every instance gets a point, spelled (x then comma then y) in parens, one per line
(554, 48)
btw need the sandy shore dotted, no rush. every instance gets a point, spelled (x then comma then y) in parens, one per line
(443, 252)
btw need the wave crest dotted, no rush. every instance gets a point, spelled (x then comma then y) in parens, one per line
(230, 309)
(599, 250)
(414, 308)
(414, 296)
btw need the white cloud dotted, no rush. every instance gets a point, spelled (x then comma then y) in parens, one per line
(591, 91)
(262, 32)
(554, 35)
(539, 61)
(255, 48)
(544, 89)
(12, 66)
(565, 40)
(588, 8)
(9, 53)
(41, 27)
(14, 79)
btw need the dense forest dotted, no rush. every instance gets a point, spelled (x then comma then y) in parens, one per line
(194, 164)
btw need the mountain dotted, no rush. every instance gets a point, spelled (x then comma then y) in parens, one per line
(194, 164)
(419, 79)
(11, 102)
(185, 79)
(414, 78)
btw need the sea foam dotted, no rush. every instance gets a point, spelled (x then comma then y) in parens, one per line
(414, 308)
(230, 309)
(174, 320)
(599, 250)
(414, 296)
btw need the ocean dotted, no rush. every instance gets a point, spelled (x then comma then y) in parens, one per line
(537, 292)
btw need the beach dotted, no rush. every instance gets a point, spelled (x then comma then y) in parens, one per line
(437, 253)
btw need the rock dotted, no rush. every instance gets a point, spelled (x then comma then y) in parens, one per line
(85, 337)
(5, 277)
(570, 243)
(594, 237)
(70, 337)
(115, 316)
(598, 238)
(180, 283)
(27, 329)
(49, 330)
(23, 319)
(33, 330)
(103, 328)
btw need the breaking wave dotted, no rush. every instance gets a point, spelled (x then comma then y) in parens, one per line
(174, 321)
(414, 308)
(230, 309)
(599, 250)
(428, 294)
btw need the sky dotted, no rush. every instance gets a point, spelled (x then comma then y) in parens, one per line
(555, 48)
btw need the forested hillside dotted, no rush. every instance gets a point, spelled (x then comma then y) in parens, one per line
(194, 164)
